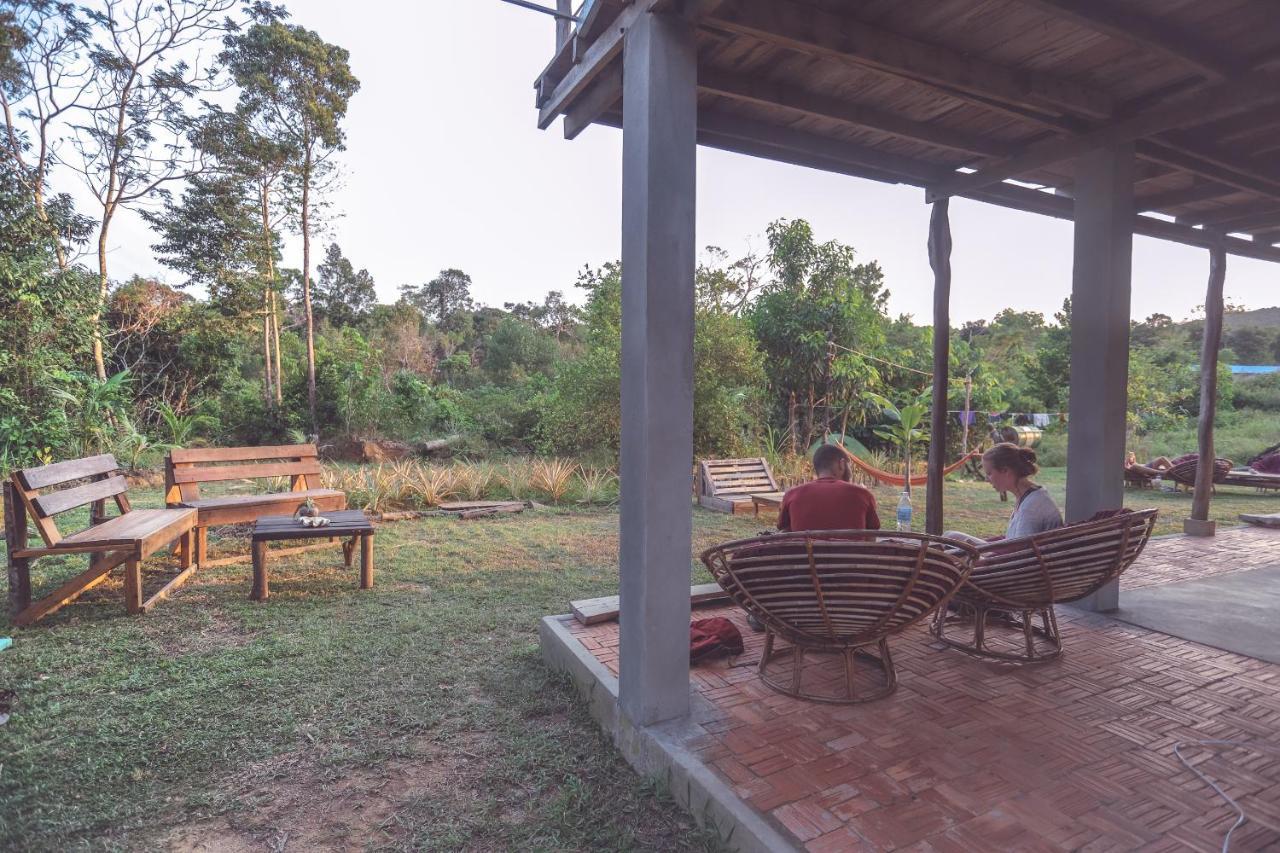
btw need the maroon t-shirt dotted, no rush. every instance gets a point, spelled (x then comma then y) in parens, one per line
(828, 504)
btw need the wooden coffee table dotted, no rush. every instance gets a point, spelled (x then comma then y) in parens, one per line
(349, 524)
(767, 500)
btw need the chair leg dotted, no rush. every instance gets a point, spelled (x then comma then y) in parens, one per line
(848, 672)
(979, 627)
(797, 665)
(890, 671)
(768, 650)
(1028, 632)
(133, 585)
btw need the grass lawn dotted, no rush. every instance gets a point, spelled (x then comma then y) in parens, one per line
(416, 715)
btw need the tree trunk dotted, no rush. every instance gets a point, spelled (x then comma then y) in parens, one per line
(43, 215)
(271, 382)
(275, 339)
(99, 362)
(306, 291)
(1209, 380)
(266, 346)
(791, 422)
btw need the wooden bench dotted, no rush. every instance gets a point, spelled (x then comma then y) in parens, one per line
(128, 538)
(726, 485)
(185, 471)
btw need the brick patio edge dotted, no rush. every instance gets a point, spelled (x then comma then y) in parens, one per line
(659, 750)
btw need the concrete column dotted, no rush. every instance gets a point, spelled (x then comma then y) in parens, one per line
(658, 257)
(1100, 290)
(940, 261)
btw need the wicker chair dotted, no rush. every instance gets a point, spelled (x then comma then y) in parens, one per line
(1015, 580)
(837, 593)
(1184, 472)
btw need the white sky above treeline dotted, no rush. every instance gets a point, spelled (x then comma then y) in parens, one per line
(445, 167)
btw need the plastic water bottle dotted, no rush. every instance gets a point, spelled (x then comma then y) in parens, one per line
(904, 511)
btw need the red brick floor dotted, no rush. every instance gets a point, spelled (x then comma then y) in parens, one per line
(1076, 754)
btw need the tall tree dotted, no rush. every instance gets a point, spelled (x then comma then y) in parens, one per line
(42, 78)
(342, 296)
(816, 323)
(244, 148)
(211, 236)
(441, 298)
(133, 140)
(296, 86)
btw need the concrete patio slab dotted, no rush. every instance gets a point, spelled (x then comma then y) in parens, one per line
(1238, 612)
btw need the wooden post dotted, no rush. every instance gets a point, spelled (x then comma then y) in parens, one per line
(1199, 524)
(260, 591)
(366, 561)
(15, 528)
(564, 26)
(133, 585)
(940, 261)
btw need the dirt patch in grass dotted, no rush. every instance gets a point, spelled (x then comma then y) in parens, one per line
(290, 803)
(216, 633)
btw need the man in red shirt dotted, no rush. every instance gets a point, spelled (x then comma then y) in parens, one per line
(832, 501)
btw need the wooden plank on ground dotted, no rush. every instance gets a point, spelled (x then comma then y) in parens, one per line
(1269, 520)
(589, 611)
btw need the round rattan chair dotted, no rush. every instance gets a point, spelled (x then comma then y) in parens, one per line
(840, 593)
(1015, 581)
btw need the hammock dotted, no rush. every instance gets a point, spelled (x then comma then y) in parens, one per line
(897, 479)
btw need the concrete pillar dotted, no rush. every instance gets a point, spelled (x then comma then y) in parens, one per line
(940, 261)
(1100, 290)
(658, 257)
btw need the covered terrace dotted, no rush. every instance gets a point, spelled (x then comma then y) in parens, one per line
(1141, 116)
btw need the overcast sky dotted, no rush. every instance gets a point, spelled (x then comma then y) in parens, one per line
(445, 167)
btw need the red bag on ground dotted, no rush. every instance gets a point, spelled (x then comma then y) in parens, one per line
(710, 637)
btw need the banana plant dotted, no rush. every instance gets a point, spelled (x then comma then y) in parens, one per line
(907, 429)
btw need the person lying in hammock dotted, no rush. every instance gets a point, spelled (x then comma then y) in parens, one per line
(1009, 468)
(1154, 468)
(832, 501)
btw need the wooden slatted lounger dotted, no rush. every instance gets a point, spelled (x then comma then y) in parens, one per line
(726, 485)
(128, 538)
(1018, 579)
(842, 593)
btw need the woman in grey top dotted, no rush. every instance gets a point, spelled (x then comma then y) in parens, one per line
(1009, 468)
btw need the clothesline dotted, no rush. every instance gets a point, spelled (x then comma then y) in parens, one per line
(881, 360)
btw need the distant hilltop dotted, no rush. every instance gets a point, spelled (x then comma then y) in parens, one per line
(1267, 318)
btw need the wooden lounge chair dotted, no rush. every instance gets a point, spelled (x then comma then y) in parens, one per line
(837, 593)
(128, 538)
(1017, 579)
(1251, 479)
(1184, 473)
(185, 470)
(726, 485)
(1139, 479)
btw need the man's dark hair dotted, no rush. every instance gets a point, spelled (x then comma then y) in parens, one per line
(827, 457)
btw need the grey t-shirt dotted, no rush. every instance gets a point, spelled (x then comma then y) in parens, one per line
(1035, 513)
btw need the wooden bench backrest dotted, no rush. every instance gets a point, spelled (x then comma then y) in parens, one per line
(186, 469)
(837, 587)
(1065, 564)
(730, 478)
(92, 481)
